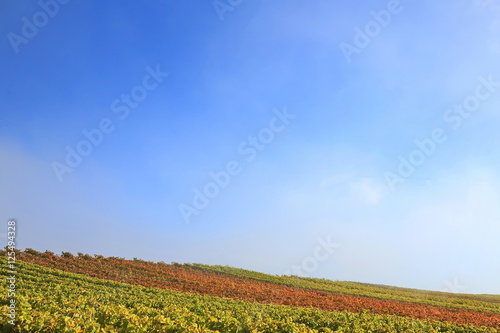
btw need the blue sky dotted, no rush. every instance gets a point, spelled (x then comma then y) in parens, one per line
(388, 152)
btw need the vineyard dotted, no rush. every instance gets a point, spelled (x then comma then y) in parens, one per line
(67, 293)
(465, 301)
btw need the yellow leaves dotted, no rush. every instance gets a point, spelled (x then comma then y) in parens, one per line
(84, 304)
(108, 329)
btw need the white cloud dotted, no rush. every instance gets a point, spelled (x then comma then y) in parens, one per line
(367, 190)
(360, 189)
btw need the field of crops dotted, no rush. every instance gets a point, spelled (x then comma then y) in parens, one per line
(95, 294)
(489, 303)
(56, 301)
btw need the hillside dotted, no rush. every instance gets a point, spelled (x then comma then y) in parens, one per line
(97, 294)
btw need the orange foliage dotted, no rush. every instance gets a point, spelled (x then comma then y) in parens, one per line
(186, 279)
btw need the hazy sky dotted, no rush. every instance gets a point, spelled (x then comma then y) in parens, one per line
(324, 138)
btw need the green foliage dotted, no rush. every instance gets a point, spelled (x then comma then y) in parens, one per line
(50, 300)
(489, 303)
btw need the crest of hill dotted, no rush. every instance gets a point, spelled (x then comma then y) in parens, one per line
(182, 277)
(354, 288)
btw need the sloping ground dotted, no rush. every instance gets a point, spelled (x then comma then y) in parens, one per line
(479, 297)
(50, 300)
(205, 282)
(489, 303)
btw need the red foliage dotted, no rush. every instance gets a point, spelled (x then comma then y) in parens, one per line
(186, 279)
